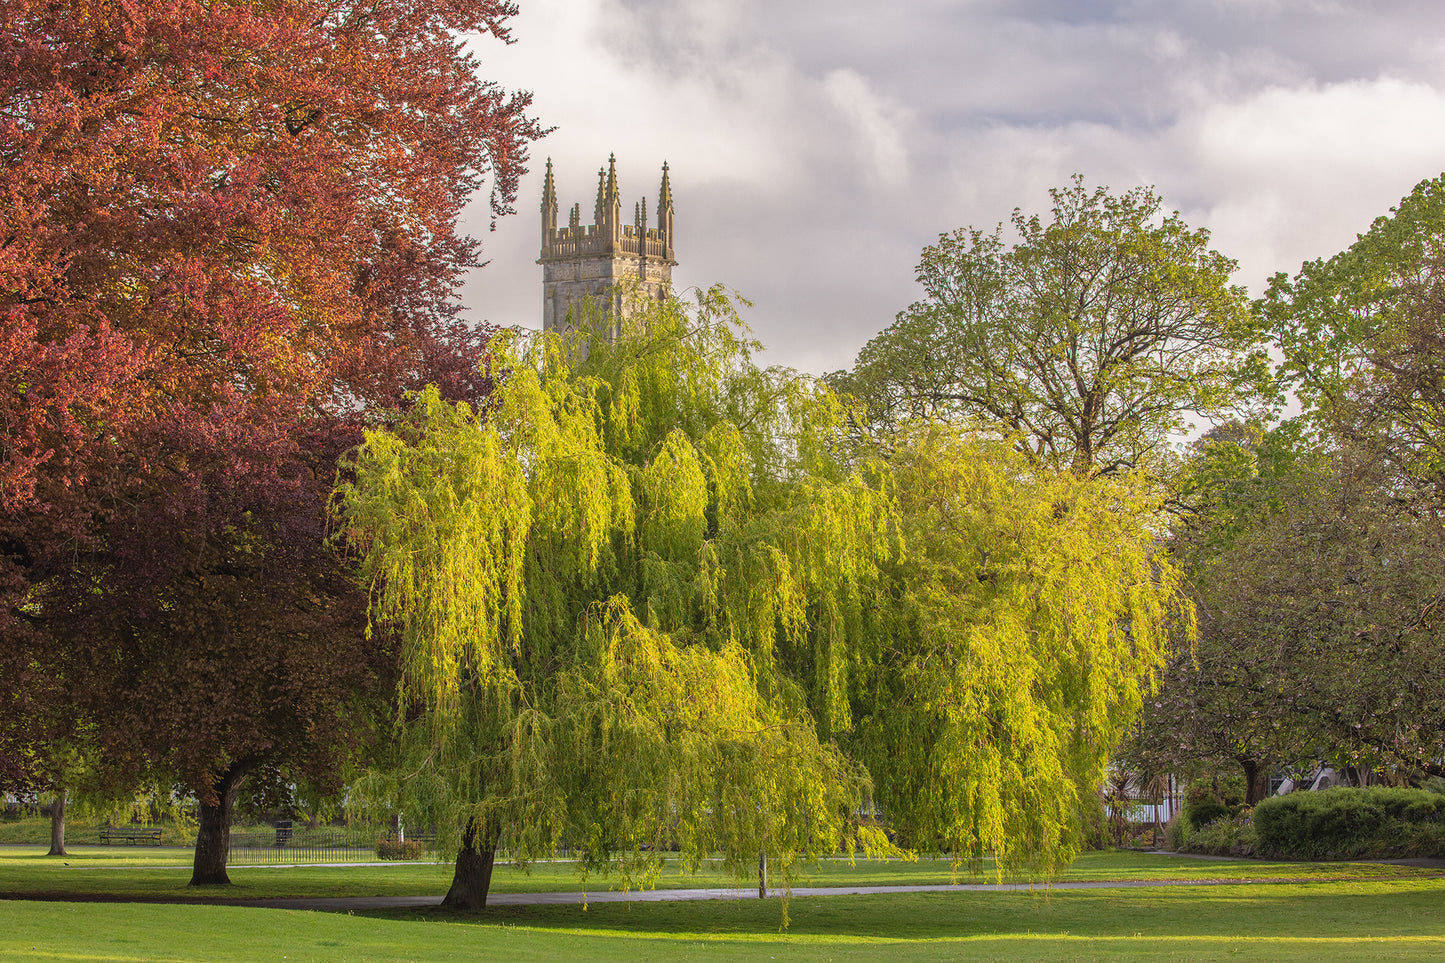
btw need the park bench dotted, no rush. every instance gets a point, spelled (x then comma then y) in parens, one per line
(131, 834)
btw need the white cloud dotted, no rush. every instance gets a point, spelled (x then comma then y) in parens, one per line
(1354, 127)
(875, 122)
(1296, 173)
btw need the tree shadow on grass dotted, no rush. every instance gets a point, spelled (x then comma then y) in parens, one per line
(1310, 912)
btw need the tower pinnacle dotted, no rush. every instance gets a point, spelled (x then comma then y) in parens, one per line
(664, 213)
(664, 196)
(549, 189)
(549, 208)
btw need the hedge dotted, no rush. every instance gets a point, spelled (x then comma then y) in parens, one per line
(1344, 823)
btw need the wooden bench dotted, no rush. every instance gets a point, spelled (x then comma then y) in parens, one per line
(131, 834)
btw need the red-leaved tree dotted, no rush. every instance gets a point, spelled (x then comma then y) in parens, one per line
(227, 238)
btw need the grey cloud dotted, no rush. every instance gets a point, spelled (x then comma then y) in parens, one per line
(1251, 116)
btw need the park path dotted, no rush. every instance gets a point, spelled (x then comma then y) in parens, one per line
(342, 904)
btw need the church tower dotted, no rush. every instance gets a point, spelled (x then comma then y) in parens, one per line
(612, 264)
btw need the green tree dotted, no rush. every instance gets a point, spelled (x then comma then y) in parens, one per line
(1086, 343)
(1337, 592)
(1226, 701)
(593, 584)
(1315, 578)
(1364, 341)
(652, 595)
(1029, 611)
(1364, 350)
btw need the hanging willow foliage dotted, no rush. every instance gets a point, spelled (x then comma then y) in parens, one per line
(1031, 609)
(651, 599)
(590, 583)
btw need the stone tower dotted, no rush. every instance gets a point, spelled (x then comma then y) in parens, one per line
(612, 264)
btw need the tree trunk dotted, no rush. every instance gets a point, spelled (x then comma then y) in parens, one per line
(473, 875)
(57, 825)
(763, 874)
(1256, 781)
(213, 835)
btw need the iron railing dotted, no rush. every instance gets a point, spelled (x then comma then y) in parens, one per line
(284, 844)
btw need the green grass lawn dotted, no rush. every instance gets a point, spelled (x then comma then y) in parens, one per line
(135, 871)
(1347, 911)
(1371, 920)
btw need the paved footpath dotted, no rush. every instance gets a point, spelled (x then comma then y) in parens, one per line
(341, 904)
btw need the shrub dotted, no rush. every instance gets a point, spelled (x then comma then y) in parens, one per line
(1176, 833)
(399, 849)
(1226, 836)
(1203, 811)
(1422, 839)
(1141, 835)
(1346, 823)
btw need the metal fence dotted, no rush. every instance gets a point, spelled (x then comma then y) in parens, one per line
(284, 844)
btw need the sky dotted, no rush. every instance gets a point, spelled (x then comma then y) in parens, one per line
(817, 146)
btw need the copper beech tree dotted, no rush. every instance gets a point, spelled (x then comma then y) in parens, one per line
(227, 235)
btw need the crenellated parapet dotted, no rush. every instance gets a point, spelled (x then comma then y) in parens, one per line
(609, 261)
(586, 241)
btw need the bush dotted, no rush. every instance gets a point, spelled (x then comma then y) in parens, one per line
(1141, 835)
(1226, 836)
(1345, 823)
(399, 849)
(1422, 839)
(1176, 833)
(1201, 812)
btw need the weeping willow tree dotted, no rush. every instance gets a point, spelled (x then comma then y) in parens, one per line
(651, 598)
(592, 582)
(1030, 613)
